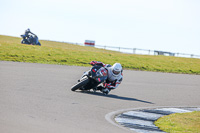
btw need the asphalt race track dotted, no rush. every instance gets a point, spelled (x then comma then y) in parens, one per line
(36, 98)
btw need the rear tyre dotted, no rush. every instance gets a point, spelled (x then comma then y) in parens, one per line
(80, 84)
(39, 43)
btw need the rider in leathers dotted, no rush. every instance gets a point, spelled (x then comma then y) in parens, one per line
(29, 37)
(27, 32)
(115, 76)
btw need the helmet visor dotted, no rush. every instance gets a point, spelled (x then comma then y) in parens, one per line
(116, 72)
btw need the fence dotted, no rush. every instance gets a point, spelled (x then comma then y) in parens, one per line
(142, 51)
(146, 51)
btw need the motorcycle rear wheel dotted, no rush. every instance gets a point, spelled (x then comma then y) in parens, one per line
(80, 84)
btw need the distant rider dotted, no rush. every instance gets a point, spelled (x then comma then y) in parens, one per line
(115, 76)
(28, 32)
(30, 37)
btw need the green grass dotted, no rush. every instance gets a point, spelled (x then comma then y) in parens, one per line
(68, 54)
(180, 123)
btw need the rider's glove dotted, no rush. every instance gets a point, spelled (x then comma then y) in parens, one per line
(93, 63)
(106, 85)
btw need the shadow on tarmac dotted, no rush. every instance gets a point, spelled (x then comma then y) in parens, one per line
(113, 96)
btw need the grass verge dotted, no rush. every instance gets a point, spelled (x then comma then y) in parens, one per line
(68, 54)
(180, 123)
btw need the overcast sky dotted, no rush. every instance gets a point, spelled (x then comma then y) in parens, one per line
(167, 25)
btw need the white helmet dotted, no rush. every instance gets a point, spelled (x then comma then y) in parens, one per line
(116, 69)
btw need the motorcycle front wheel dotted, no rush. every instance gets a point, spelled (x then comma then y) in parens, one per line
(80, 84)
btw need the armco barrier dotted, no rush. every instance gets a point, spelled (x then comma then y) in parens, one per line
(141, 51)
(147, 51)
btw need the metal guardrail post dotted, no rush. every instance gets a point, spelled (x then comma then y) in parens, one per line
(134, 50)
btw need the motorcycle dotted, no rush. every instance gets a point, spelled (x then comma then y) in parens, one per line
(91, 79)
(31, 39)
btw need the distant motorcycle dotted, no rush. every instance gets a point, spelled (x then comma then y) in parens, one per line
(91, 79)
(31, 39)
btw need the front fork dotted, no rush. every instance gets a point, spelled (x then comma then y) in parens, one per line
(92, 83)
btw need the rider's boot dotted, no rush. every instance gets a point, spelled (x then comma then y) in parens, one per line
(105, 91)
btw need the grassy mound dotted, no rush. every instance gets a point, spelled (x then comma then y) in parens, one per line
(180, 123)
(68, 54)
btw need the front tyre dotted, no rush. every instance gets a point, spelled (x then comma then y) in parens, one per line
(80, 84)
